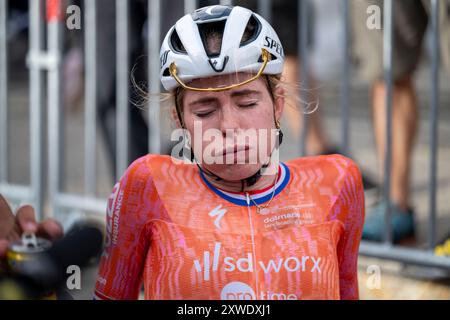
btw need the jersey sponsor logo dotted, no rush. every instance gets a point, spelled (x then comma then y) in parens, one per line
(282, 220)
(280, 217)
(102, 281)
(217, 212)
(113, 216)
(237, 290)
(246, 264)
(269, 295)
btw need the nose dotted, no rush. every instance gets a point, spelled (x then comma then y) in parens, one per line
(229, 118)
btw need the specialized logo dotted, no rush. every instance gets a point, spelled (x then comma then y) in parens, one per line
(217, 212)
(213, 63)
(273, 44)
(163, 58)
(246, 264)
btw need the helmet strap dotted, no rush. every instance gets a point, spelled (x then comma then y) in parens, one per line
(177, 107)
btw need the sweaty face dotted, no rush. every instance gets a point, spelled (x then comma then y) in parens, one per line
(232, 132)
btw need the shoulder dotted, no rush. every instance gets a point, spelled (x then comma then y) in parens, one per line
(322, 161)
(138, 175)
(136, 189)
(158, 171)
(149, 165)
(334, 175)
(332, 167)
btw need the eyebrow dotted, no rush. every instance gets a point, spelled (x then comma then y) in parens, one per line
(203, 101)
(234, 94)
(245, 92)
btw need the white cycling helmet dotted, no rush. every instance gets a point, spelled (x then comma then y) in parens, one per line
(184, 55)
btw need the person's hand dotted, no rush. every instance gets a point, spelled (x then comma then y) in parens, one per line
(12, 227)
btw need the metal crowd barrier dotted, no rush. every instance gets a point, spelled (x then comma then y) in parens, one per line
(387, 250)
(34, 192)
(49, 60)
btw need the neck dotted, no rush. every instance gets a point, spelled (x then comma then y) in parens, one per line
(263, 182)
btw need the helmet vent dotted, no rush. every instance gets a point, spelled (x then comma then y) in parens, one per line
(212, 35)
(272, 57)
(251, 32)
(166, 73)
(176, 43)
(211, 13)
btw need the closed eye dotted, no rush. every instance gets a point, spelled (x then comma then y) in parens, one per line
(204, 114)
(248, 105)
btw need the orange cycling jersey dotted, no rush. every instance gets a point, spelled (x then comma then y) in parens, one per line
(169, 229)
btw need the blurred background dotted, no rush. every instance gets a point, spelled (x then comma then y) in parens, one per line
(376, 74)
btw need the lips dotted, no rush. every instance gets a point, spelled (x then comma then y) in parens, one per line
(235, 149)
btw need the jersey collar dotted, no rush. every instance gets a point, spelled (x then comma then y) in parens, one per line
(259, 197)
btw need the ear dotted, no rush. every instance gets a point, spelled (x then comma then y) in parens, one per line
(279, 102)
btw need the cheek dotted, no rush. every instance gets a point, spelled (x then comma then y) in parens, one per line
(197, 129)
(261, 117)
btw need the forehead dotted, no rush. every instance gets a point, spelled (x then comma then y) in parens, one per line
(222, 81)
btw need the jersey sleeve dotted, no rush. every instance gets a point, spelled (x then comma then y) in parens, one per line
(349, 209)
(127, 235)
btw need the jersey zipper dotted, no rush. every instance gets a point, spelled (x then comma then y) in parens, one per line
(253, 245)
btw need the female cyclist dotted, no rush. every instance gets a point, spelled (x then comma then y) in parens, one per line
(223, 226)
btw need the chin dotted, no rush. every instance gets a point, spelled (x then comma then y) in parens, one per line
(234, 172)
